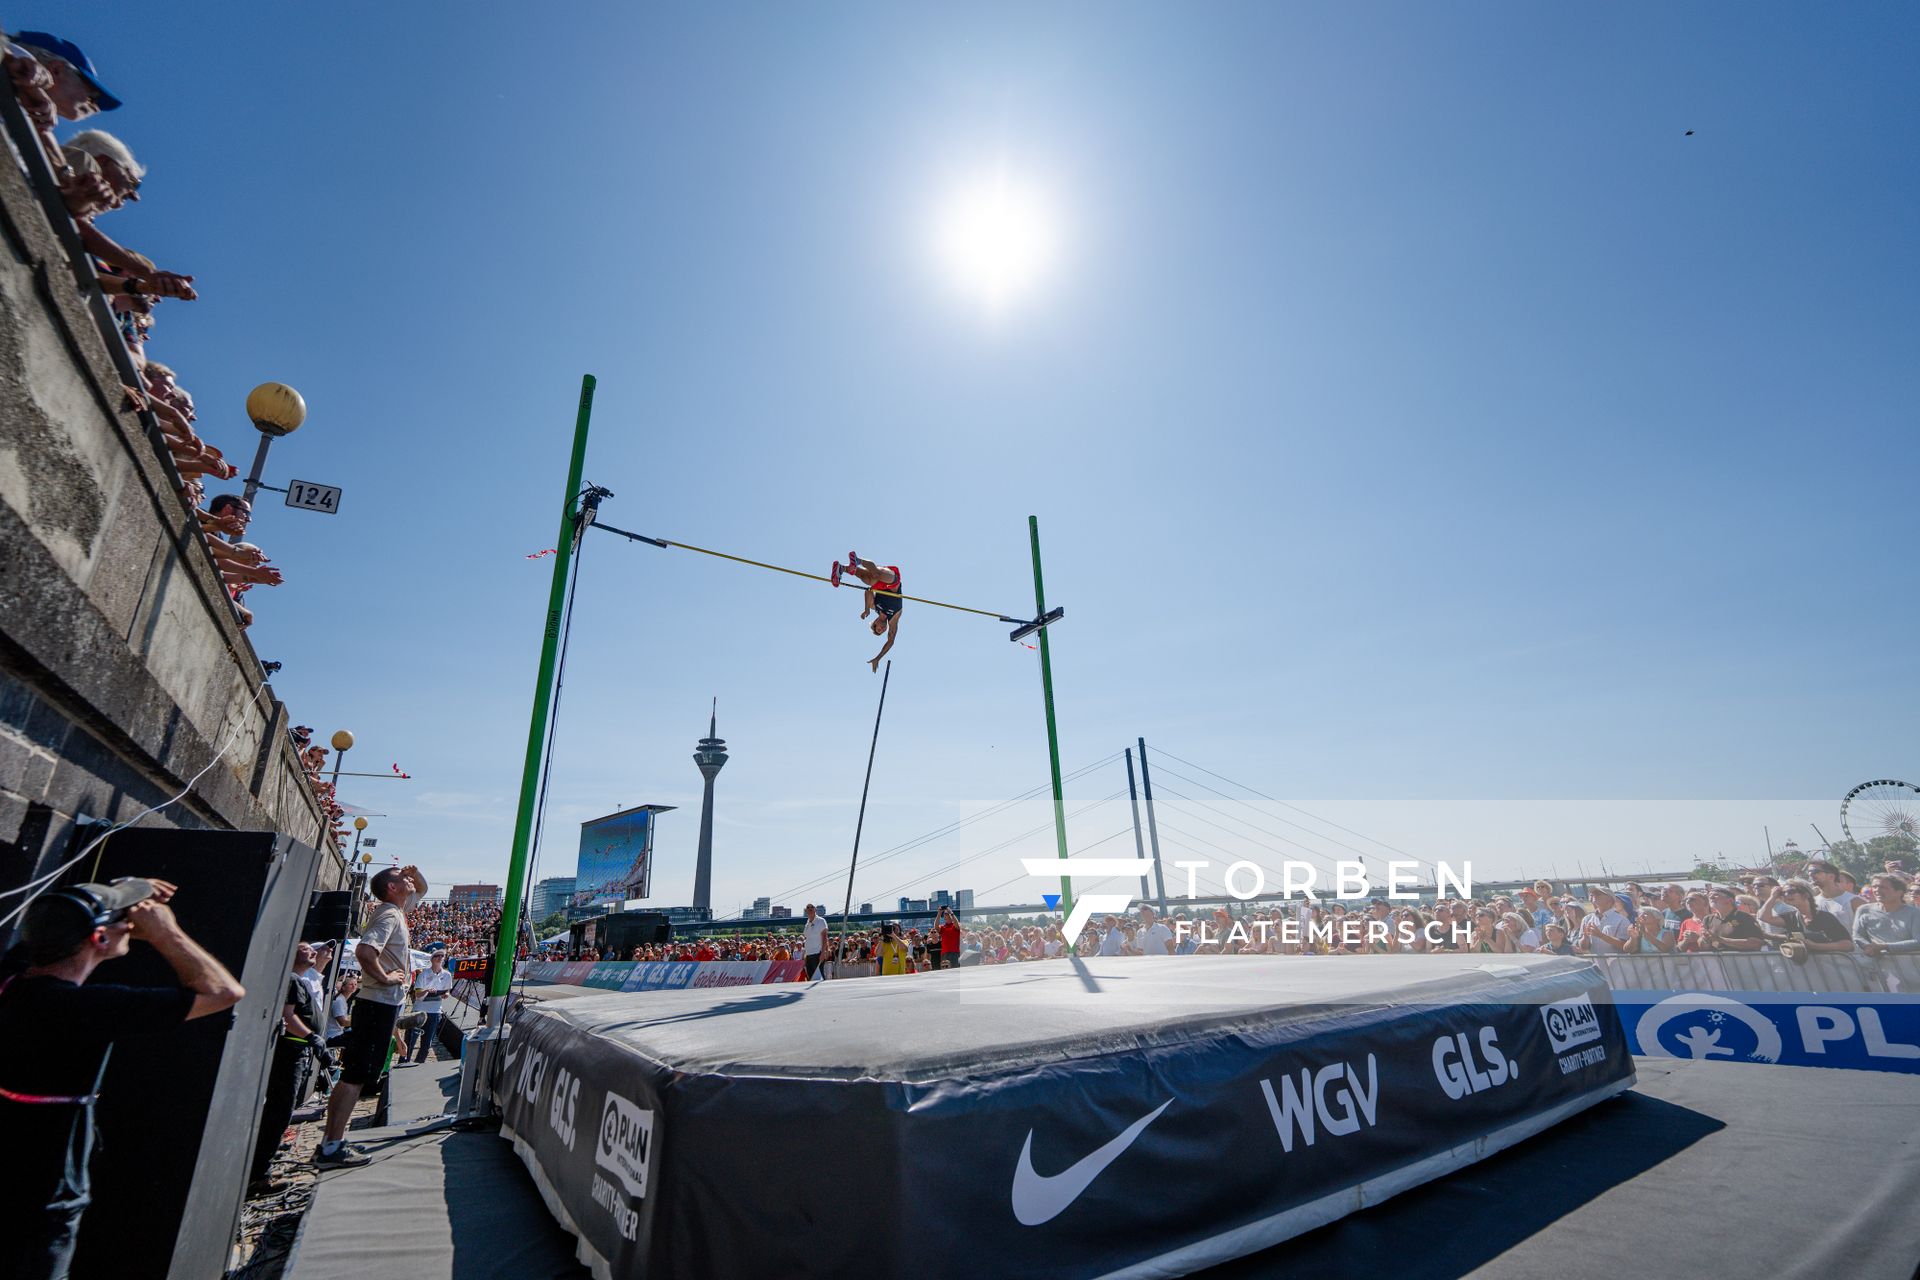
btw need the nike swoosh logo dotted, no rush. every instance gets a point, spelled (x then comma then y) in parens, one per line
(1038, 1199)
(506, 1061)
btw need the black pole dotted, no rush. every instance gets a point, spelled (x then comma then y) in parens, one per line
(1153, 828)
(1139, 848)
(847, 909)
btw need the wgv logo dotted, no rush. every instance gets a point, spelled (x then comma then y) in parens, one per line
(1461, 1074)
(1088, 905)
(626, 1138)
(533, 1074)
(1333, 1096)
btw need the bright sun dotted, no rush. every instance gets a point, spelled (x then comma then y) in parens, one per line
(997, 239)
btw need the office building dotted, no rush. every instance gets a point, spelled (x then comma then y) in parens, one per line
(550, 895)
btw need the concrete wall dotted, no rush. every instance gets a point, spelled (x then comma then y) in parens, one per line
(123, 670)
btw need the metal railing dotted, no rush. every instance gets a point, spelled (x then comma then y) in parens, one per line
(1763, 971)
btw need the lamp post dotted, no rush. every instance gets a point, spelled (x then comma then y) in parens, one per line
(359, 825)
(342, 743)
(277, 410)
(359, 877)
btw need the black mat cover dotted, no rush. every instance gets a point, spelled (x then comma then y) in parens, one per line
(1105, 1117)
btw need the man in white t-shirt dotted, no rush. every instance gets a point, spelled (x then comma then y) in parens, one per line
(385, 957)
(1606, 926)
(1832, 894)
(432, 983)
(340, 1016)
(814, 941)
(1155, 938)
(1113, 942)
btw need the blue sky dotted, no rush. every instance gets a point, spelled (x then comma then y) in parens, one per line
(1422, 428)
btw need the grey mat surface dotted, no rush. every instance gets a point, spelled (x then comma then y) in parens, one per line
(1705, 1169)
(437, 1206)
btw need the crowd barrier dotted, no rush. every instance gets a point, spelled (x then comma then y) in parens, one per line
(1844, 1010)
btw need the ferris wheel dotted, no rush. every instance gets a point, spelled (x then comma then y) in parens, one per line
(1881, 808)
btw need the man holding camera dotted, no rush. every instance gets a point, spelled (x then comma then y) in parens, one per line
(385, 954)
(298, 1042)
(56, 1031)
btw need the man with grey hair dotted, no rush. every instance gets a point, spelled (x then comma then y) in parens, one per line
(134, 274)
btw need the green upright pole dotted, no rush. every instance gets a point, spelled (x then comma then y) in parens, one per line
(504, 946)
(1053, 732)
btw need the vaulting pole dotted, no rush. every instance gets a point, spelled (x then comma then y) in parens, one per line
(861, 822)
(1053, 730)
(504, 945)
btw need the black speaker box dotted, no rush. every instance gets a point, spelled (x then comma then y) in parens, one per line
(329, 916)
(178, 1112)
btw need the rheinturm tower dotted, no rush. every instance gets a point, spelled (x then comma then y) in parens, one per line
(711, 756)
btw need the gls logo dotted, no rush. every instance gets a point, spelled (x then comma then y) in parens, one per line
(1333, 1094)
(1570, 1023)
(626, 1139)
(1455, 1067)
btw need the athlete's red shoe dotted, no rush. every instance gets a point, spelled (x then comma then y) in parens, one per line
(836, 573)
(853, 559)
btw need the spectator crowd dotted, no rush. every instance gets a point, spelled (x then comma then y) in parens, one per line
(1822, 910)
(97, 174)
(462, 929)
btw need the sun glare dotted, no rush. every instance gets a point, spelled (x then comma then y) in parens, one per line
(997, 239)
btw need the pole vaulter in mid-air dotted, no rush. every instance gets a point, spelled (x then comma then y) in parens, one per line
(883, 597)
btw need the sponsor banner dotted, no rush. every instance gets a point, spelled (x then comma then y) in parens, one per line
(608, 975)
(663, 975)
(1871, 1031)
(786, 971)
(1081, 1160)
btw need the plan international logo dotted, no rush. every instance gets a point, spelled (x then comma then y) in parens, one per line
(1246, 881)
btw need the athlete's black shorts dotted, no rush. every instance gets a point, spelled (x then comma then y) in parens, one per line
(889, 605)
(365, 1045)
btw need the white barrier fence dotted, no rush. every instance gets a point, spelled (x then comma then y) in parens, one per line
(1763, 971)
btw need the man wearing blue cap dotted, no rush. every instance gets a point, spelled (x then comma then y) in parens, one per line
(54, 79)
(74, 86)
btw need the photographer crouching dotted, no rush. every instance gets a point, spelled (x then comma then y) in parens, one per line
(56, 1032)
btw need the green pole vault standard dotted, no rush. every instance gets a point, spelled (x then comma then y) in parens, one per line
(1053, 731)
(504, 947)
